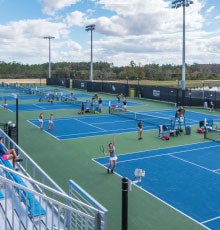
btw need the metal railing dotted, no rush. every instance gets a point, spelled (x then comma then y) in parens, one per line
(57, 216)
(28, 166)
(78, 193)
(62, 211)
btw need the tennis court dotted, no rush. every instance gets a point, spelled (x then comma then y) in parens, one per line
(173, 174)
(98, 125)
(56, 105)
(184, 177)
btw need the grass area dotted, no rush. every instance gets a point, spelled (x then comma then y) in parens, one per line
(72, 159)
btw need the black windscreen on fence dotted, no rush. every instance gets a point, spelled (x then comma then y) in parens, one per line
(189, 97)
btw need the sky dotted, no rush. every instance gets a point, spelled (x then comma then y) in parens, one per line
(143, 31)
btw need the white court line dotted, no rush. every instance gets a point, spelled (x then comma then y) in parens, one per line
(83, 122)
(168, 154)
(77, 134)
(39, 106)
(181, 159)
(209, 220)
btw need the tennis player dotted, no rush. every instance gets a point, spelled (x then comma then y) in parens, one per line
(41, 120)
(140, 129)
(5, 104)
(51, 123)
(113, 157)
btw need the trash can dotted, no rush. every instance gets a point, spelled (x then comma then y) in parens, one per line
(131, 92)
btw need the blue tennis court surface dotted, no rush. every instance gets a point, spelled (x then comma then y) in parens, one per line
(85, 126)
(96, 125)
(184, 177)
(35, 96)
(56, 105)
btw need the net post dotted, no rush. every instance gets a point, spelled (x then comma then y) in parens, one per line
(109, 107)
(124, 203)
(205, 136)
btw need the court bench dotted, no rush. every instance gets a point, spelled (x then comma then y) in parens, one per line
(34, 207)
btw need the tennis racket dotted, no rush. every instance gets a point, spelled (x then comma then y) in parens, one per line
(102, 149)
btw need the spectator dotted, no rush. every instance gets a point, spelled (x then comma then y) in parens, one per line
(82, 110)
(211, 106)
(100, 104)
(9, 154)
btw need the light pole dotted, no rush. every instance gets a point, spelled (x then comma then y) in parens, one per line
(49, 69)
(16, 125)
(91, 28)
(127, 80)
(177, 4)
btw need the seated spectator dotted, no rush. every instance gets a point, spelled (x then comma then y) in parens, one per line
(87, 110)
(9, 154)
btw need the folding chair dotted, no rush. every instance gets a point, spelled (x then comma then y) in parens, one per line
(163, 131)
(210, 125)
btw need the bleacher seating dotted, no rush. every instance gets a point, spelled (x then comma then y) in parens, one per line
(1, 195)
(34, 208)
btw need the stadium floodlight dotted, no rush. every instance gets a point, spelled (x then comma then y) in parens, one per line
(91, 28)
(177, 4)
(49, 68)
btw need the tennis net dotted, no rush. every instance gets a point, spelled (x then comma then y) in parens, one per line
(147, 118)
(213, 135)
(72, 101)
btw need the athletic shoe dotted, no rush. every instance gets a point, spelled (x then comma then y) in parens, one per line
(19, 160)
(112, 171)
(17, 169)
(107, 170)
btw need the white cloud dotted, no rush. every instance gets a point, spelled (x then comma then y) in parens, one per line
(210, 9)
(23, 41)
(143, 31)
(50, 7)
(217, 17)
(75, 18)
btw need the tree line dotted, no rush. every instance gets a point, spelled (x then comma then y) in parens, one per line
(107, 71)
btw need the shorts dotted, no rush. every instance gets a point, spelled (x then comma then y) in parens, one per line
(113, 158)
(5, 157)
